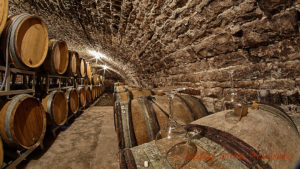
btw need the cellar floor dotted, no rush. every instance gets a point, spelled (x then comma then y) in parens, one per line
(90, 142)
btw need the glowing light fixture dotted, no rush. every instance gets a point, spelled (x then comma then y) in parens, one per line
(105, 67)
(96, 54)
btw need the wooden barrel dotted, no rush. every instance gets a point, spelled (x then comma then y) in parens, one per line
(94, 93)
(82, 96)
(121, 94)
(82, 67)
(138, 92)
(57, 60)
(119, 84)
(266, 138)
(96, 80)
(56, 106)
(138, 120)
(23, 122)
(158, 92)
(28, 41)
(3, 14)
(99, 91)
(1, 153)
(74, 64)
(130, 93)
(89, 72)
(73, 100)
(89, 95)
(101, 79)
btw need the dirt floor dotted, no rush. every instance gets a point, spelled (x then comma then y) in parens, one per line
(90, 142)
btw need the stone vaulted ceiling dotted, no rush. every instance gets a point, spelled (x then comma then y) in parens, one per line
(148, 41)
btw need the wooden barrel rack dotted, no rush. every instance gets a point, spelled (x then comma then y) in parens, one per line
(43, 69)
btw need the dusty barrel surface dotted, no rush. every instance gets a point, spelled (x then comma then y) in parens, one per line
(74, 64)
(133, 93)
(137, 121)
(56, 107)
(73, 100)
(89, 98)
(121, 94)
(138, 92)
(101, 79)
(89, 72)
(97, 91)
(57, 60)
(3, 14)
(1, 153)
(82, 67)
(82, 96)
(96, 79)
(25, 40)
(23, 122)
(266, 138)
(94, 93)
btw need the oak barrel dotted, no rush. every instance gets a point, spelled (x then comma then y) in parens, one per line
(57, 60)
(89, 72)
(88, 95)
(96, 79)
(97, 91)
(266, 139)
(73, 100)
(94, 93)
(121, 94)
(138, 92)
(137, 121)
(1, 153)
(118, 84)
(56, 107)
(3, 14)
(130, 93)
(82, 96)
(82, 67)
(25, 40)
(74, 64)
(23, 122)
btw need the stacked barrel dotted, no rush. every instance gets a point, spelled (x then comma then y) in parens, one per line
(250, 136)
(139, 115)
(26, 46)
(265, 137)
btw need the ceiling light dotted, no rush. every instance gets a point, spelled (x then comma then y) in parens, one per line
(105, 67)
(96, 54)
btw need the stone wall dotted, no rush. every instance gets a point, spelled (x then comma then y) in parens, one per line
(206, 40)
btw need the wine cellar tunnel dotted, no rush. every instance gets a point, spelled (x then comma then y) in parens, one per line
(223, 74)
